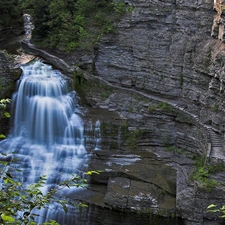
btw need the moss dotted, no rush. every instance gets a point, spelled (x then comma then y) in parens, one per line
(105, 94)
(133, 137)
(214, 168)
(140, 98)
(161, 106)
(181, 117)
(102, 91)
(151, 108)
(165, 106)
(109, 130)
(7, 90)
(214, 107)
(174, 149)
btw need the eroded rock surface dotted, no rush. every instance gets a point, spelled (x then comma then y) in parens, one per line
(164, 49)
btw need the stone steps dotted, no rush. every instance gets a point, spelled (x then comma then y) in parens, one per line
(217, 151)
(215, 138)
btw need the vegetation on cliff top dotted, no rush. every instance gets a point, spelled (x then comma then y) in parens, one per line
(66, 25)
(10, 11)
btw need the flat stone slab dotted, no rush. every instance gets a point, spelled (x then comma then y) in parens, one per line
(130, 194)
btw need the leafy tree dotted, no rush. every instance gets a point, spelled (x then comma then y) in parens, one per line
(69, 24)
(9, 11)
(40, 13)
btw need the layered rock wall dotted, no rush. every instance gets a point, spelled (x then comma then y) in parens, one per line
(163, 49)
(166, 48)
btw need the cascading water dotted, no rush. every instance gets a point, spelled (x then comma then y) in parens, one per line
(47, 134)
(93, 135)
(47, 139)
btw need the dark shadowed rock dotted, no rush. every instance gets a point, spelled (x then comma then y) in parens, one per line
(8, 77)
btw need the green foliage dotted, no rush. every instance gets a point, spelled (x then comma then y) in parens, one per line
(6, 114)
(218, 167)
(151, 108)
(2, 136)
(3, 105)
(165, 106)
(9, 12)
(202, 172)
(4, 102)
(161, 106)
(175, 150)
(69, 24)
(214, 107)
(16, 197)
(214, 208)
(8, 55)
(132, 138)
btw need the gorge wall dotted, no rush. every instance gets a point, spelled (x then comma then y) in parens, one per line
(165, 72)
(167, 49)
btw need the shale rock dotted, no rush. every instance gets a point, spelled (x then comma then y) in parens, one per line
(162, 48)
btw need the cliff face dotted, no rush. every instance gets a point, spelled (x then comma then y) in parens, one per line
(166, 48)
(171, 52)
(170, 49)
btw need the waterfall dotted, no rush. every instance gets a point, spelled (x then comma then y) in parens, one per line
(93, 135)
(28, 26)
(47, 138)
(47, 134)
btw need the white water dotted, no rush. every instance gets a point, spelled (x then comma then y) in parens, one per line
(93, 135)
(47, 134)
